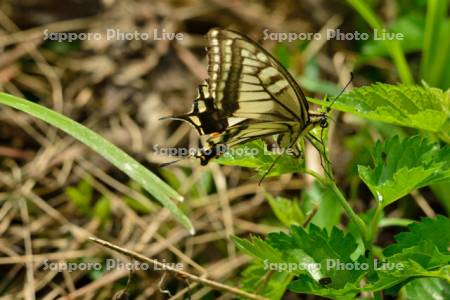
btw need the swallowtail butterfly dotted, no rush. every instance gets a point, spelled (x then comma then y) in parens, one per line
(248, 95)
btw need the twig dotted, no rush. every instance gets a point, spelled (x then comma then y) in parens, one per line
(311, 216)
(264, 281)
(179, 273)
(423, 204)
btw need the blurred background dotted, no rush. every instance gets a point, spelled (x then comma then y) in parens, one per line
(55, 192)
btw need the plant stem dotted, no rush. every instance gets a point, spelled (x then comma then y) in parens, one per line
(362, 228)
(329, 182)
(386, 222)
(373, 228)
(180, 273)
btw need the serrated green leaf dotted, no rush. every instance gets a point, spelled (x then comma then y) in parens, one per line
(287, 211)
(321, 247)
(401, 166)
(437, 231)
(423, 259)
(422, 251)
(405, 105)
(269, 284)
(258, 249)
(426, 288)
(306, 285)
(255, 155)
(313, 254)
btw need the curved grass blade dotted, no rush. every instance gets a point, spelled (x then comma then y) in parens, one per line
(149, 181)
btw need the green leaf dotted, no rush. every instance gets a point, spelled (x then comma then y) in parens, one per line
(401, 166)
(426, 288)
(421, 260)
(81, 196)
(405, 105)
(329, 210)
(422, 251)
(149, 181)
(437, 231)
(102, 209)
(329, 251)
(306, 285)
(266, 283)
(314, 255)
(255, 155)
(258, 249)
(287, 211)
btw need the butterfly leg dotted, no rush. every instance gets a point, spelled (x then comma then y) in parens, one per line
(313, 140)
(269, 169)
(298, 151)
(290, 146)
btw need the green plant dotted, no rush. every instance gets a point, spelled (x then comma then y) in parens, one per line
(399, 166)
(427, 33)
(149, 181)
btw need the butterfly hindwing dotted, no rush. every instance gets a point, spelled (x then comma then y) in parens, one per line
(204, 117)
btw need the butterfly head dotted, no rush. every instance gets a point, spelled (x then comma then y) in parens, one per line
(323, 119)
(211, 151)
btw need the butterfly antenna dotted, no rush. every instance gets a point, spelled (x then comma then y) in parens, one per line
(172, 162)
(342, 91)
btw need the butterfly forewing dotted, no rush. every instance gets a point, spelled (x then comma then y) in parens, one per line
(247, 82)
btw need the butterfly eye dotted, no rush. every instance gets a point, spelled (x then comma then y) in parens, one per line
(324, 122)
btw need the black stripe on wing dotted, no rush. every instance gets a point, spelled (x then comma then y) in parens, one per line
(235, 60)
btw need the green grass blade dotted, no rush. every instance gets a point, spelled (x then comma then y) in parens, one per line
(149, 181)
(436, 42)
(393, 46)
